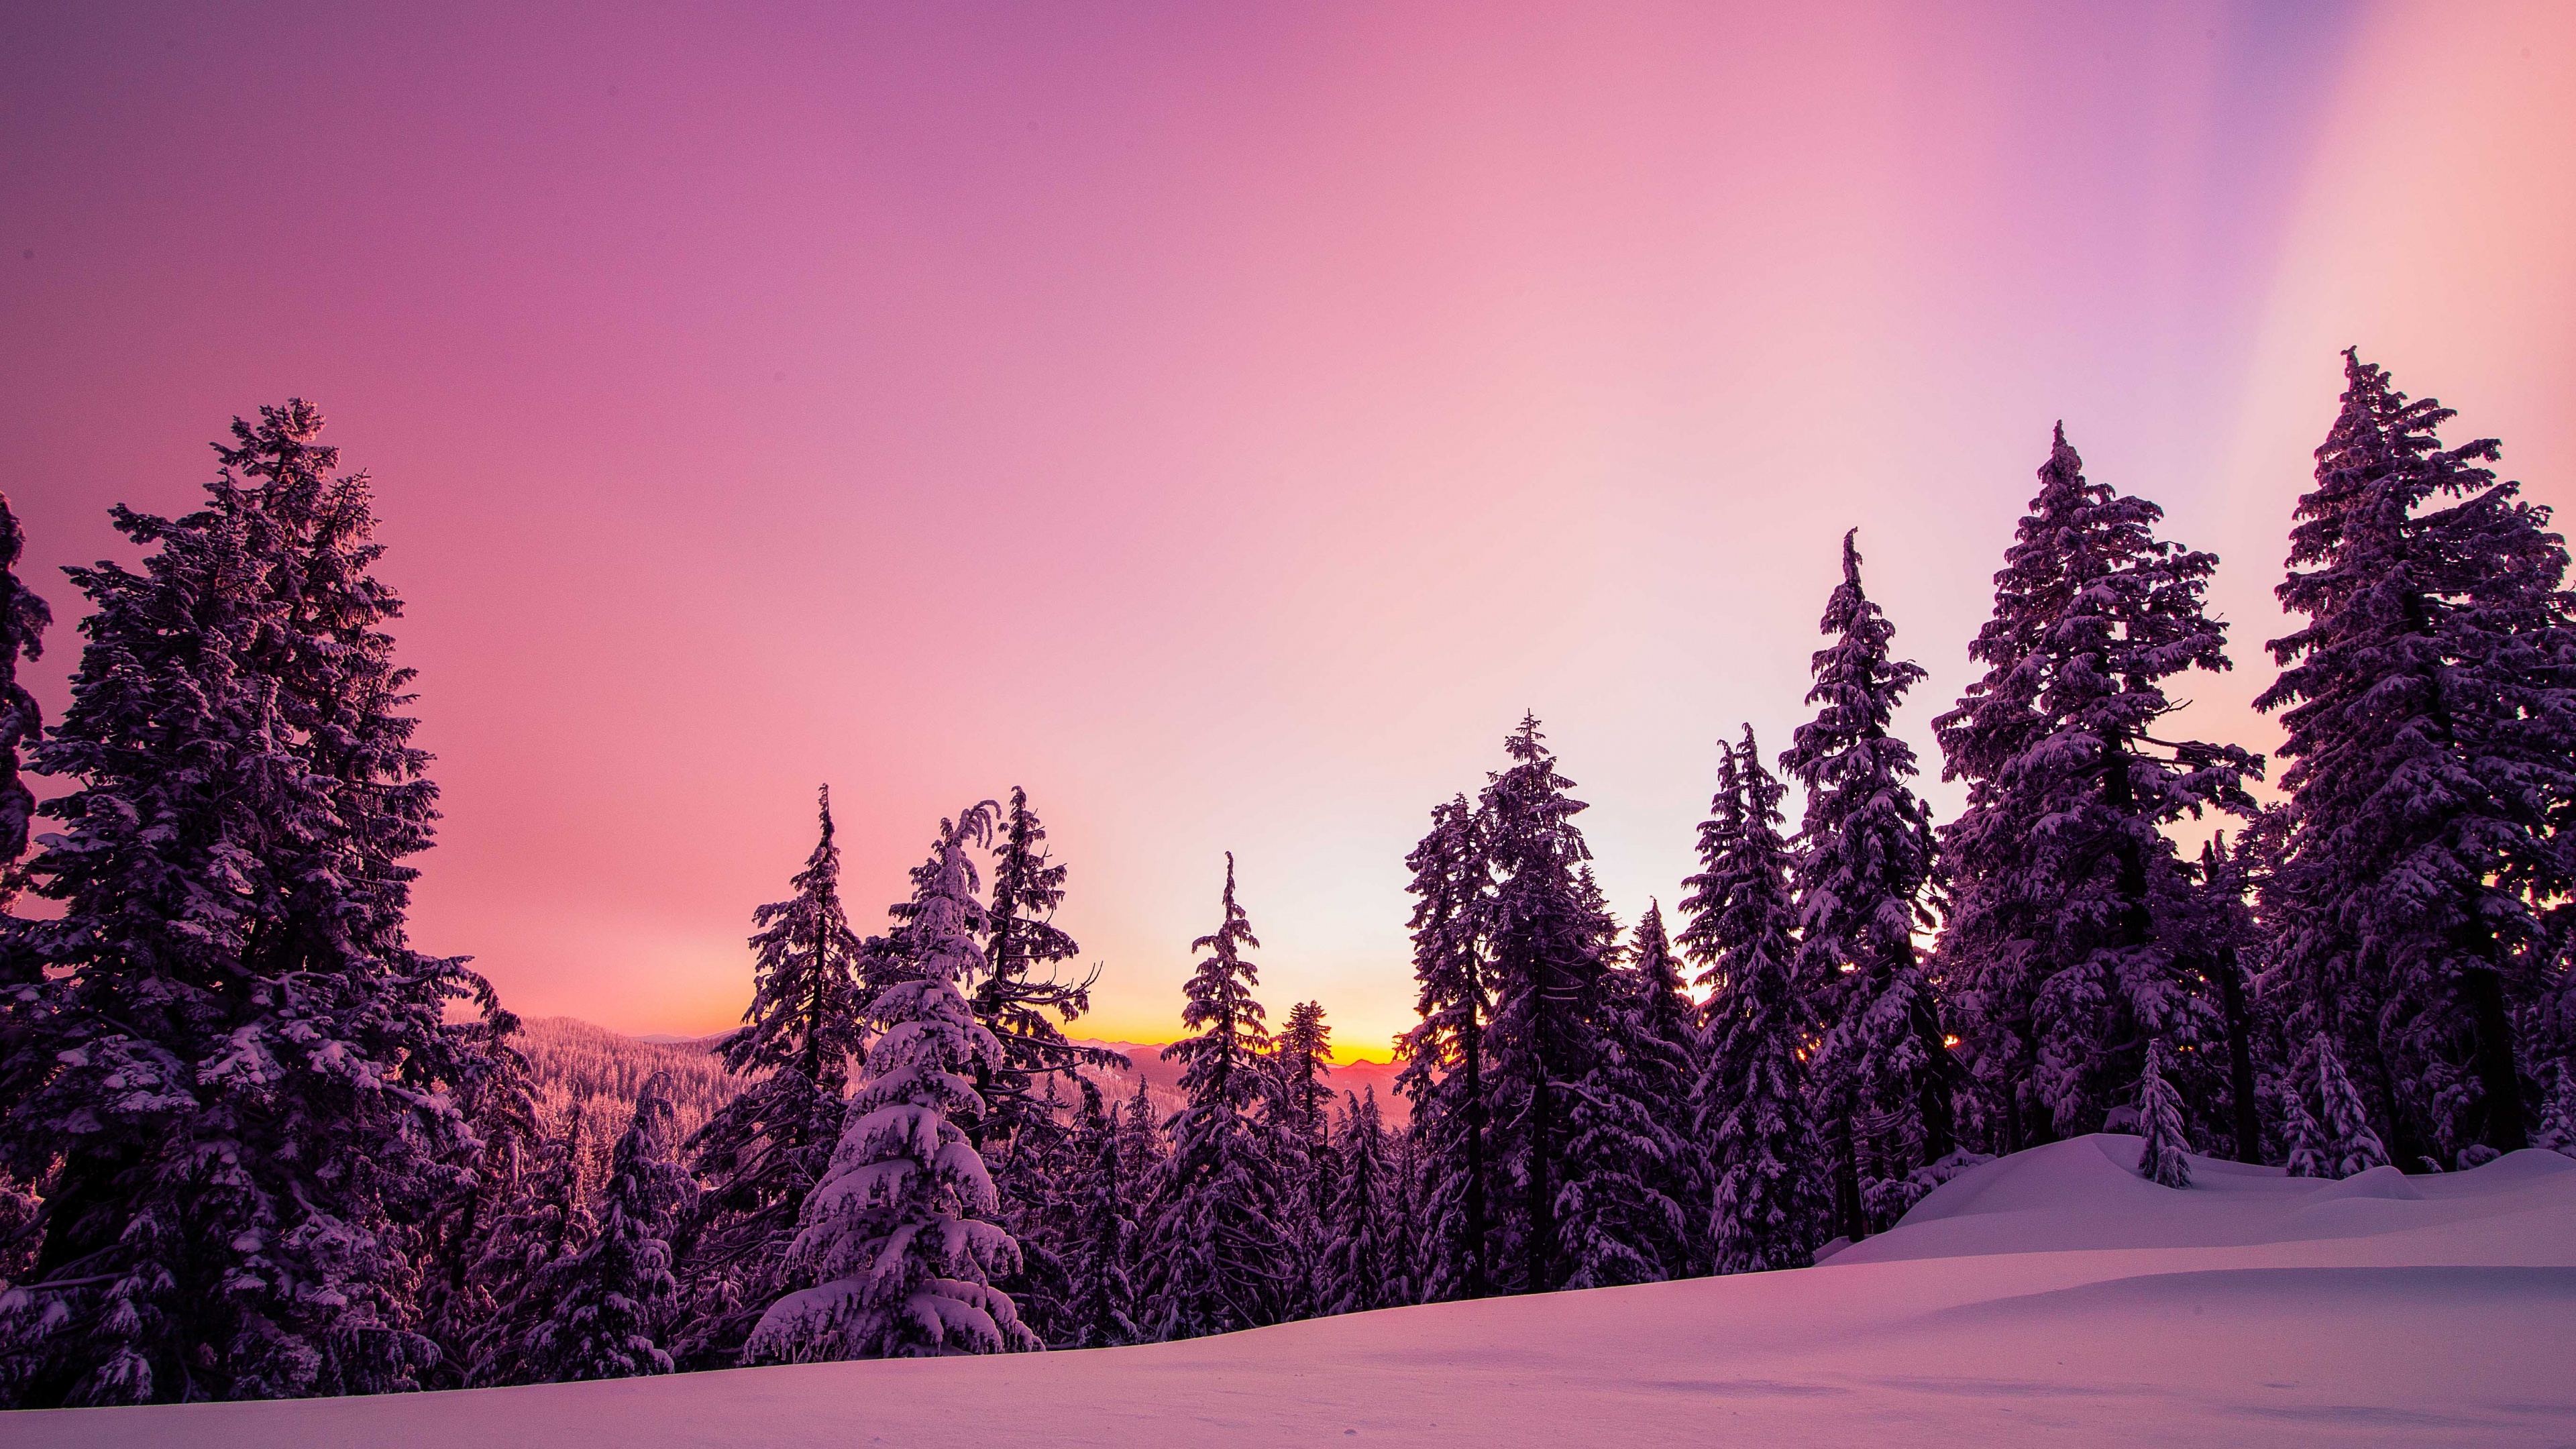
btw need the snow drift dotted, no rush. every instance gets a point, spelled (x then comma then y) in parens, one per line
(2051, 1297)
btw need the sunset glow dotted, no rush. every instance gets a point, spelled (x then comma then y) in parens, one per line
(1223, 424)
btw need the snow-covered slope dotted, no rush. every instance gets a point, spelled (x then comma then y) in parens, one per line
(2048, 1298)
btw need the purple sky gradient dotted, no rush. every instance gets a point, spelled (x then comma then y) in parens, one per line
(1222, 420)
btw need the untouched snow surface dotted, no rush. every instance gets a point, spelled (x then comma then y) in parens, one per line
(2052, 1297)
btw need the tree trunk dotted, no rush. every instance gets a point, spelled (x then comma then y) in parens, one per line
(2492, 1027)
(1932, 1093)
(1472, 1047)
(1847, 1181)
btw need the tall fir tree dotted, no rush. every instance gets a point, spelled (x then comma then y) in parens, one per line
(1363, 1261)
(609, 1303)
(762, 1153)
(2430, 704)
(2058, 951)
(2226, 938)
(23, 617)
(1767, 1197)
(230, 1065)
(1022, 1008)
(459, 1296)
(1547, 942)
(1301, 1057)
(1444, 1056)
(896, 1243)
(1100, 1194)
(538, 1219)
(1862, 871)
(1665, 1052)
(1629, 1170)
(1220, 1253)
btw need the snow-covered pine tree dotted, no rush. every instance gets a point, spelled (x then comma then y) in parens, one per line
(1444, 1057)
(1861, 870)
(1142, 1144)
(2308, 1149)
(1300, 1109)
(1620, 1212)
(1547, 942)
(2345, 1142)
(2556, 1131)
(499, 1102)
(1662, 1026)
(1363, 1264)
(540, 1219)
(2430, 702)
(896, 1242)
(2226, 936)
(1302, 1054)
(23, 617)
(1767, 1202)
(1020, 1008)
(2054, 954)
(761, 1154)
(1219, 1253)
(1100, 1301)
(1404, 1227)
(1661, 1033)
(2160, 1155)
(1033, 1172)
(231, 1064)
(608, 1303)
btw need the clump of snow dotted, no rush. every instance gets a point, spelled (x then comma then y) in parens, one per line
(2050, 1297)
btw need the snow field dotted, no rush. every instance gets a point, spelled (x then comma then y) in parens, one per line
(2049, 1298)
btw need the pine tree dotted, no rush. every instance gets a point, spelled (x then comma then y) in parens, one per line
(1011, 1000)
(2227, 936)
(2345, 1142)
(2309, 1150)
(1547, 942)
(1659, 1035)
(2160, 1156)
(1628, 1174)
(1861, 869)
(762, 1153)
(23, 617)
(1766, 1199)
(2055, 953)
(1404, 1233)
(1219, 1253)
(499, 1104)
(1101, 1299)
(896, 1241)
(1142, 1144)
(1363, 1265)
(1299, 1108)
(230, 1062)
(1303, 1052)
(540, 1219)
(2430, 702)
(1444, 1056)
(609, 1302)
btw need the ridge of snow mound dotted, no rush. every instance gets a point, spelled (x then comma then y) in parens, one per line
(2084, 1194)
(2053, 1297)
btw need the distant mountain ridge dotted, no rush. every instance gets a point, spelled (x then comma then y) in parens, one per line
(573, 1061)
(1162, 1078)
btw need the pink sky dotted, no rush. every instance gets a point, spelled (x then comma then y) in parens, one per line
(1221, 420)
